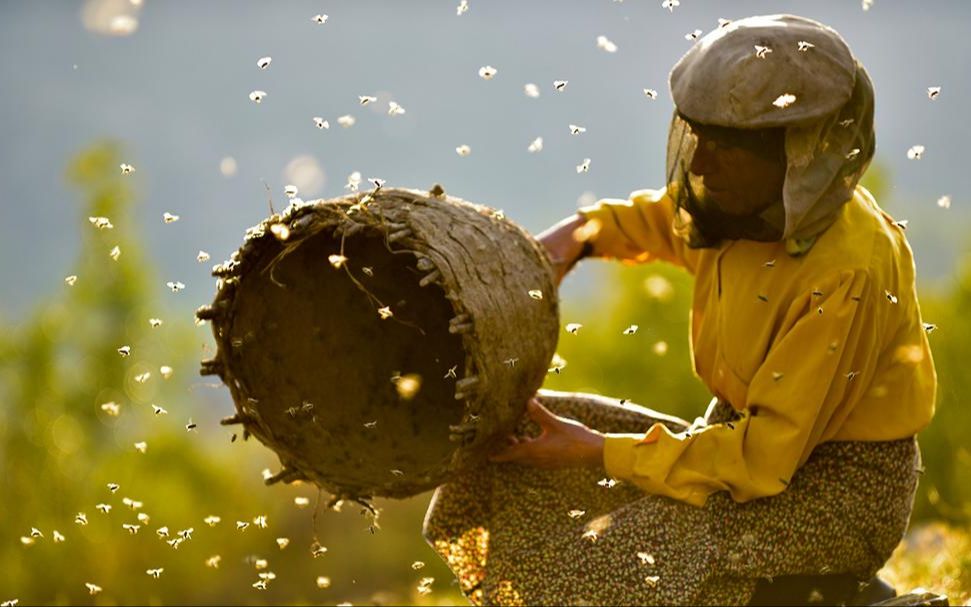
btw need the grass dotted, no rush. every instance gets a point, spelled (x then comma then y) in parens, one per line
(936, 557)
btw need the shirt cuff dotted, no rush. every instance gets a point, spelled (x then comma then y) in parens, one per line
(619, 454)
(606, 237)
(621, 458)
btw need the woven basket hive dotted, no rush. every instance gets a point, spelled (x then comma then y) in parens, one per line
(361, 402)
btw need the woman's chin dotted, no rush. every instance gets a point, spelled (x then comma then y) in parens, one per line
(728, 203)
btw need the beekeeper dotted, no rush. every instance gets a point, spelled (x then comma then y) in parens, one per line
(805, 326)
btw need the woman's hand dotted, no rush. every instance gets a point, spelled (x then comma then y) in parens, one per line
(561, 243)
(562, 443)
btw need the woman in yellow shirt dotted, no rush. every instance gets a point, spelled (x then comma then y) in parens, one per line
(805, 326)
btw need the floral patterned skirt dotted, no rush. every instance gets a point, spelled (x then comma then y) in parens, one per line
(517, 535)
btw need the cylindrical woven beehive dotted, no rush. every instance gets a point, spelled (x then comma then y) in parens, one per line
(381, 342)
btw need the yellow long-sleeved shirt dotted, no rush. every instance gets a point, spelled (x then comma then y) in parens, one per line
(825, 347)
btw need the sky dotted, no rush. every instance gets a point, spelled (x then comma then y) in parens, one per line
(176, 92)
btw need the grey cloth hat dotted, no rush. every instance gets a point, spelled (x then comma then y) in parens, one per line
(725, 80)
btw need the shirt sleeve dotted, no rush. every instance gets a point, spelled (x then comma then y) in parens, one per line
(818, 366)
(637, 230)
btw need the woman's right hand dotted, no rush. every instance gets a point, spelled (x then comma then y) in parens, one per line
(562, 245)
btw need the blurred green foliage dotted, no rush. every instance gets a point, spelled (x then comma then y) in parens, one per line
(60, 449)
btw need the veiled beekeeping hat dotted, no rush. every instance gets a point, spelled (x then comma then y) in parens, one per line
(780, 71)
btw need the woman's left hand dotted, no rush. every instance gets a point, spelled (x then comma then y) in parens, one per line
(562, 443)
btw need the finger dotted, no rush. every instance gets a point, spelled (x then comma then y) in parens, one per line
(540, 414)
(509, 454)
(520, 451)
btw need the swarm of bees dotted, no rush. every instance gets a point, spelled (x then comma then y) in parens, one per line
(406, 386)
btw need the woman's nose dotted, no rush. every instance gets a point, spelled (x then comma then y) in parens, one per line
(703, 162)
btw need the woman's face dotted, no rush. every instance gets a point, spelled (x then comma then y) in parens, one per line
(743, 171)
